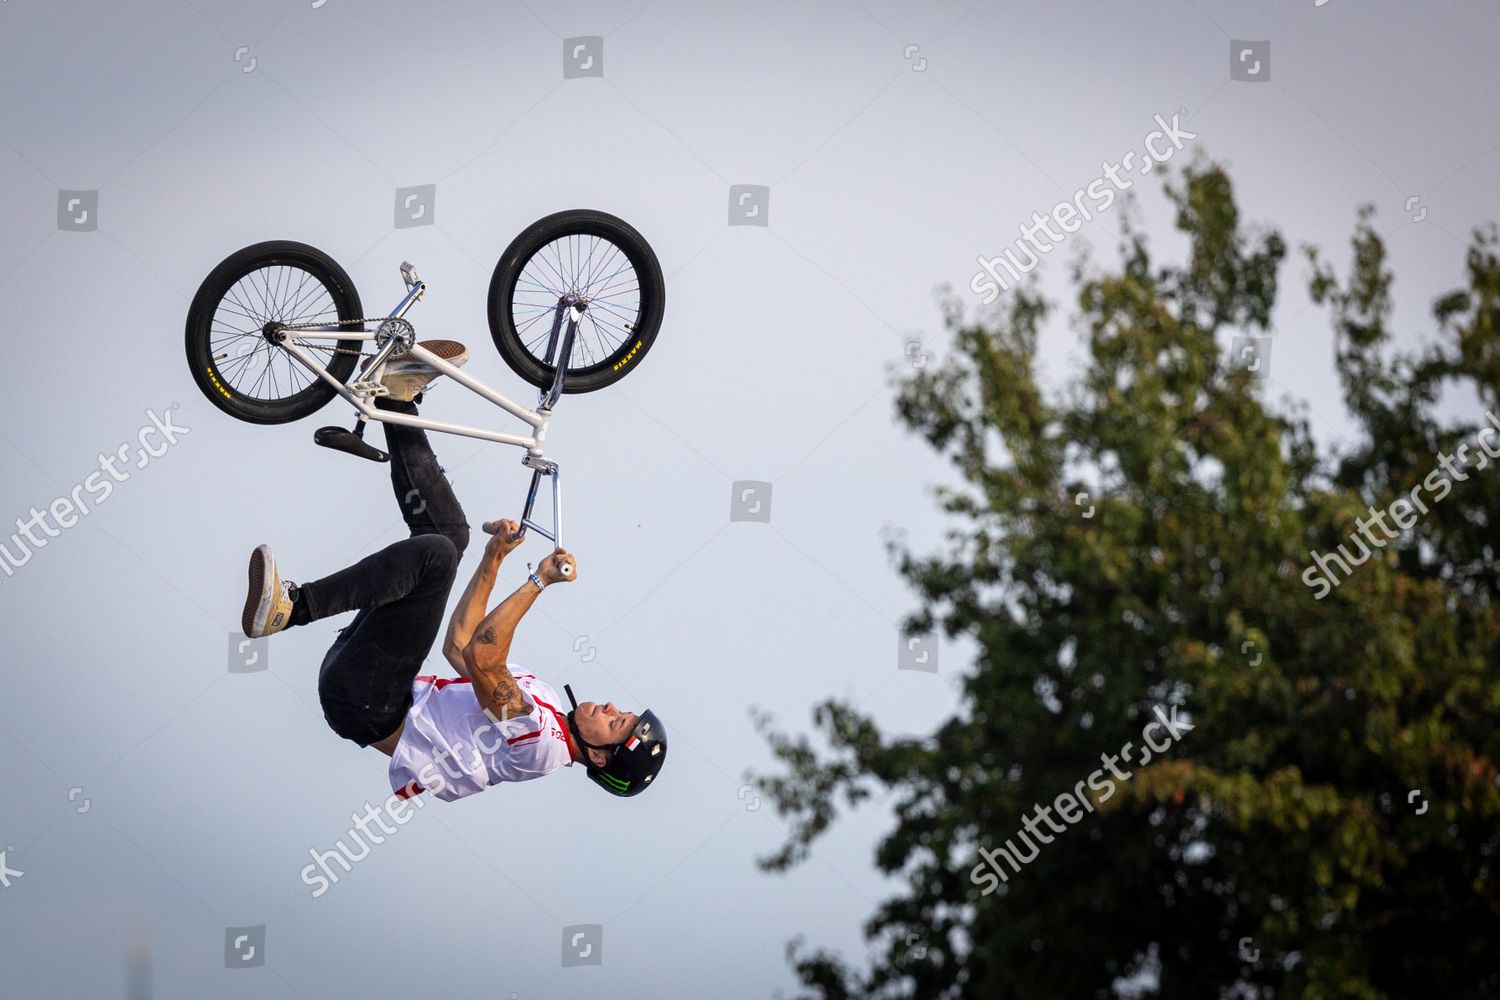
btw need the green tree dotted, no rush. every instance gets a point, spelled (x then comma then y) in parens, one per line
(1283, 816)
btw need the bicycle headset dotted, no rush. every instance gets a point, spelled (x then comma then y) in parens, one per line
(632, 764)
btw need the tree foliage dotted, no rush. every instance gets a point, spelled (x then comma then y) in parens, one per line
(1284, 817)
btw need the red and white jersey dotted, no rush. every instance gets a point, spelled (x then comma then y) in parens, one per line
(451, 748)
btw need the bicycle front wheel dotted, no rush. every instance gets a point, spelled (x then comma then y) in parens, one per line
(594, 261)
(236, 367)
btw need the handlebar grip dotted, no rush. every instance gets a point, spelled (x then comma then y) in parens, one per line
(491, 527)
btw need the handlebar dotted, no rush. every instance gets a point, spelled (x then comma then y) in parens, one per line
(492, 527)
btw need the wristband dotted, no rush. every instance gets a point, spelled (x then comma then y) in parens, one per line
(534, 578)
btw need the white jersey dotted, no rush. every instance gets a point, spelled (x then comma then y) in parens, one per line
(451, 748)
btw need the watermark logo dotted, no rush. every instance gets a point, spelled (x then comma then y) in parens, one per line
(1071, 804)
(65, 511)
(583, 944)
(455, 763)
(750, 500)
(751, 800)
(320, 876)
(1413, 796)
(1252, 354)
(583, 56)
(6, 871)
(74, 794)
(1039, 237)
(78, 211)
(248, 656)
(1250, 62)
(244, 60)
(581, 644)
(915, 356)
(749, 205)
(244, 947)
(917, 651)
(1329, 569)
(416, 206)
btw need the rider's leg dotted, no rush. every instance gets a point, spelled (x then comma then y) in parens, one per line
(410, 567)
(365, 680)
(427, 504)
(422, 491)
(366, 677)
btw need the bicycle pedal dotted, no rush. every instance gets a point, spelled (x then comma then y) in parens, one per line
(342, 440)
(365, 388)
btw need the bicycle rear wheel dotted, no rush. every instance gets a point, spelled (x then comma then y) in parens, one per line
(581, 258)
(235, 366)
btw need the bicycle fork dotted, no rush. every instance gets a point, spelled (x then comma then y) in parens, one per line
(573, 311)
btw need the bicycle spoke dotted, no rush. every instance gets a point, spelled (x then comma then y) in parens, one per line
(298, 295)
(246, 310)
(532, 322)
(283, 279)
(599, 268)
(264, 291)
(593, 268)
(241, 363)
(278, 293)
(299, 314)
(255, 389)
(610, 278)
(605, 349)
(297, 377)
(562, 282)
(274, 294)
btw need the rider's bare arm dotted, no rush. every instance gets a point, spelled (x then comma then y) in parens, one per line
(476, 596)
(486, 652)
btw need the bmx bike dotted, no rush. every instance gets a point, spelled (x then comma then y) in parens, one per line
(276, 330)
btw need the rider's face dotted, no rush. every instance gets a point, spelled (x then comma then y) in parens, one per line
(604, 724)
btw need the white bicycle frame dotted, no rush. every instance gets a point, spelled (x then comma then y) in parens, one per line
(396, 334)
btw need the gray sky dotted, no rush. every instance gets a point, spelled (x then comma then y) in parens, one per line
(890, 169)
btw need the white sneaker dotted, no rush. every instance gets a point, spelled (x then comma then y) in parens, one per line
(406, 377)
(268, 606)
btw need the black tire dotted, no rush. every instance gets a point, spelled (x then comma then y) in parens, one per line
(276, 281)
(543, 264)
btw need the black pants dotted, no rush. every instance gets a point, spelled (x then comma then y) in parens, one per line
(400, 593)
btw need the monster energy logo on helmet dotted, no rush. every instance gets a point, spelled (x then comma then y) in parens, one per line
(633, 764)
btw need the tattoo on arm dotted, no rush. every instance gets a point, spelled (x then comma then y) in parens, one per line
(497, 688)
(507, 695)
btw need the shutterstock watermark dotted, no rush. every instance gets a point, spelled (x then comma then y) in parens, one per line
(997, 274)
(399, 808)
(64, 511)
(1070, 805)
(1403, 510)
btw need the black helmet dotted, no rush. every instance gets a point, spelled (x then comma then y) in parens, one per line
(632, 764)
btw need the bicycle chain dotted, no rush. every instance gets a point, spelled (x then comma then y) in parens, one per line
(340, 322)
